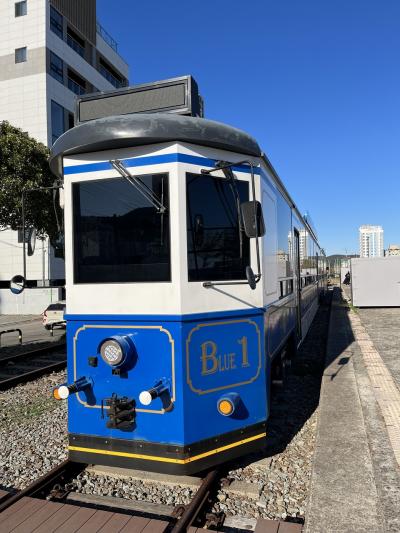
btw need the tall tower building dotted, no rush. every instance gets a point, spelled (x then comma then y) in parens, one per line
(51, 51)
(371, 241)
(304, 238)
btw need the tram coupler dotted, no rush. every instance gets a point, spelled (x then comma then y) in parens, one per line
(120, 412)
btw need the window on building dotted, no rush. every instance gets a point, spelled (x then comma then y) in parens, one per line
(20, 9)
(75, 42)
(20, 55)
(71, 121)
(110, 74)
(57, 121)
(56, 67)
(56, 22)
(75, 83)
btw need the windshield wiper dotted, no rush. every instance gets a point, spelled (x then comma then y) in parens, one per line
(139, 185)
(228, 173)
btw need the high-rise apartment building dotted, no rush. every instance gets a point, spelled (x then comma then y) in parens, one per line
(371, 241)
(51, 51)
(304, 238)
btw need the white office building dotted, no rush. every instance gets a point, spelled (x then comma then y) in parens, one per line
(393, 250)
(371, 241)
(50, 52)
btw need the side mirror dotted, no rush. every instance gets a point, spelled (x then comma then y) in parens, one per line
(253, 219)
(251, 279)
(17, 284)
(31, 241)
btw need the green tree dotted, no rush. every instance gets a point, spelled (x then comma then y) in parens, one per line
(24, 165)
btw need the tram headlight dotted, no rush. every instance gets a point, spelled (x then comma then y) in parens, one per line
(117, 350)
(112, 353)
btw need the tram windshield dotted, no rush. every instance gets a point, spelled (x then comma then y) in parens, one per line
(118, 235)
(217, 248)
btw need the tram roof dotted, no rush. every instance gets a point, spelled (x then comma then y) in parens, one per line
(125, 131)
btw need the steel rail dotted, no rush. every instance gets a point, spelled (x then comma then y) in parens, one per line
(39, 488)
(24, 376)
(36, 351)
(196, 504)
(32, 374)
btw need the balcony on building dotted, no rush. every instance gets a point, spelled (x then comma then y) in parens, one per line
(110, 74)
(112, 43)
(75, 83)
(109, 63)
(75, 42)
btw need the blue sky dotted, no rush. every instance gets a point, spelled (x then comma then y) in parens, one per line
(316, 82)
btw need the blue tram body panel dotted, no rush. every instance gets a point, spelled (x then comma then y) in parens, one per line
(222, 357)
(201, 362)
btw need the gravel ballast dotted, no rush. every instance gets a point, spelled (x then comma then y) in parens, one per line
(33, 431)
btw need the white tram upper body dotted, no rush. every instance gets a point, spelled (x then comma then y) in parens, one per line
(169, 357)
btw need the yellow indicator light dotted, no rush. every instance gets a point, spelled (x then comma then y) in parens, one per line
(225, 407)
(56, 394)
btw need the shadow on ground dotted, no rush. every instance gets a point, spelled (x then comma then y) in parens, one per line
(294, 403)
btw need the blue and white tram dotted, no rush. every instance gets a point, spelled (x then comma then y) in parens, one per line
(171, 338)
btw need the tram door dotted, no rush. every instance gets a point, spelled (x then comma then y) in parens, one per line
(297, 273)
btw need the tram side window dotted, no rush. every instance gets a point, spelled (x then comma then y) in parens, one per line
(217, 249)
(118, 235)
(284, 234)
(305, 259)
(313, 260)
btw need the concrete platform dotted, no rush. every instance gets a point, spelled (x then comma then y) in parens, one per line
(355, 485)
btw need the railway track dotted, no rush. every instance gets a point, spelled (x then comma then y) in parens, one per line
(23, 367)
(47, 505)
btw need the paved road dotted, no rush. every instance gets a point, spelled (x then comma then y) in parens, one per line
(383, 326)
(32, 330)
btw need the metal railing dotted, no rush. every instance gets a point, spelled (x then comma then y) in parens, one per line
(72, 43)
(12, 331)
(108, 76)
(106, 37)
(75, 87)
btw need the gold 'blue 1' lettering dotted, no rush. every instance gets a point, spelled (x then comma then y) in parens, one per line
(245, 354)
(211, 362)
(208, 351)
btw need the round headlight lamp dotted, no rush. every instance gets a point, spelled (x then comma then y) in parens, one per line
(115, 350)
(111, 352)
